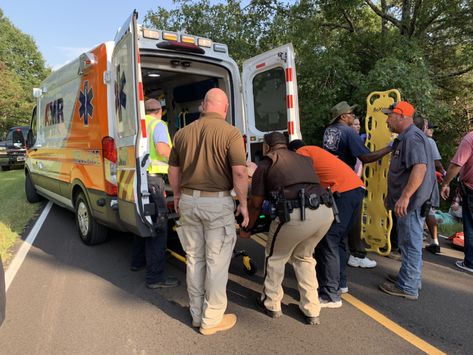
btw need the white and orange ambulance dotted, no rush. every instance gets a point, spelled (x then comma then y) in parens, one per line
(88, 144)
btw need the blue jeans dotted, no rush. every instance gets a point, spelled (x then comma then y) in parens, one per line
(409, 233)
(467, 215)
(331, 253)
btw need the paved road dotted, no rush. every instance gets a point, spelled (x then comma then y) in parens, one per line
(68, 298)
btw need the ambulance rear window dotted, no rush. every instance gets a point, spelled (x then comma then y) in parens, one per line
(269, 93)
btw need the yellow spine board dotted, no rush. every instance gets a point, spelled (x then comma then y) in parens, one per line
(376, 221)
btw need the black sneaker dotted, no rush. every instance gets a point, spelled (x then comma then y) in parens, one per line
(433, 248)
(273, 314)
(167, 283)
(311, 320)
(135, 268)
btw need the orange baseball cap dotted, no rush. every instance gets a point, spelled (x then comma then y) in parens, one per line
(401, 107)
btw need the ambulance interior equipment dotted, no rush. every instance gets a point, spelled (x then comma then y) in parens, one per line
(181, 87)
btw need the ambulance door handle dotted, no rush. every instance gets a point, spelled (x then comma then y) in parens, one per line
(145, 159)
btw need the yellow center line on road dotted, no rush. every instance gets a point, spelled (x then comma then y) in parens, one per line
(260, 238)
(393, 327)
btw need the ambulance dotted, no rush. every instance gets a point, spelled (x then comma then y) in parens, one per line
(88, 143)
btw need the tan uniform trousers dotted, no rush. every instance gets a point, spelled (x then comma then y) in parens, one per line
(295, 242)
(207, 235)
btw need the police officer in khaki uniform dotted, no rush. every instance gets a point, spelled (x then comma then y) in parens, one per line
(151, 251)
(289, 181)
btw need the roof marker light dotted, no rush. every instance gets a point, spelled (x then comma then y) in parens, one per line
(150, 34)
(205, 42)
(188, 39)
(220, 48)
(169, 36)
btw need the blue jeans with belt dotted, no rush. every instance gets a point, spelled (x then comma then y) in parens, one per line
(409, 233)
(467, 216)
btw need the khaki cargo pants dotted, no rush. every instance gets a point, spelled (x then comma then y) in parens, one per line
(207, 235)
(295, 242)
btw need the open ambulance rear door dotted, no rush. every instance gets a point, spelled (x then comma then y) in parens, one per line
(131, 136)
(270, 96)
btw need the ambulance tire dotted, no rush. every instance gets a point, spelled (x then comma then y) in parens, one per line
(90, 232)
(31, 194)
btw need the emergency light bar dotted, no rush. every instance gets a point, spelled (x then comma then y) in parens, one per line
(181, 40)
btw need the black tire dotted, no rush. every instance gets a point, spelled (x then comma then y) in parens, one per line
(5, 167)
(90, 232)
(31, 194)
(252, 270)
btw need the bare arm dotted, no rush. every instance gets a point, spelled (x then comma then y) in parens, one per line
(415, 180)
(175, 178)
(374, 156)
(254, 209)
(240, 185)
(453, 170)
(439, 166)
(163, 149)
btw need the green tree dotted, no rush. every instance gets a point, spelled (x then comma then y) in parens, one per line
(11, 97)
(346, 49)
(22, 67)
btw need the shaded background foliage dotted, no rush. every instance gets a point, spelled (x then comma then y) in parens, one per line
(346, 49)
(22, 67)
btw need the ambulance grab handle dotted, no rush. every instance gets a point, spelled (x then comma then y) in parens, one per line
(145, 159)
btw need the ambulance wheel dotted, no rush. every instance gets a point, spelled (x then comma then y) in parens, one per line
(90, 232)
(31, 194)
(250, 268)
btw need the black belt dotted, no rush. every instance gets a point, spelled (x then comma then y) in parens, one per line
(312, 203)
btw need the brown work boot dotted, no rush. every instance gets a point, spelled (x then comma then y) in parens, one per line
(228, 321)
(393, 290)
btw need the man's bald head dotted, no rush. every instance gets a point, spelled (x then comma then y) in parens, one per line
(216, 101)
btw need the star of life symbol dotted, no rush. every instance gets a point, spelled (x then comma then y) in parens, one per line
(332, 139)
(120, 96)
(86, 108)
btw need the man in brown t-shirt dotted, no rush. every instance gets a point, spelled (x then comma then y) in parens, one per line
(208, 160)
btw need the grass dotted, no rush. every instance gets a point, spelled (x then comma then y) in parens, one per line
(15, 211)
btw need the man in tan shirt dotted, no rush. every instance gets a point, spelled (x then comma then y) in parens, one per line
(207, 161)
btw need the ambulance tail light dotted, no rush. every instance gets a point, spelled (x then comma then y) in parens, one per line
(109, 151)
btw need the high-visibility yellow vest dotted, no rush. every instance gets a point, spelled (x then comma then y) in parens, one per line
(159, 163)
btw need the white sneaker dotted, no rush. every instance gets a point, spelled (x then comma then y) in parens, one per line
(344, 289)
(329, 304)
(366, 263)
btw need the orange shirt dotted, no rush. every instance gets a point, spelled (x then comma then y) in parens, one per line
(331, 171)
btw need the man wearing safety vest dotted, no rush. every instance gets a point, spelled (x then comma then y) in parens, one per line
(151, 251)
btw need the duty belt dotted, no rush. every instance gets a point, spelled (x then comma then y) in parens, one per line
(313, 202)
